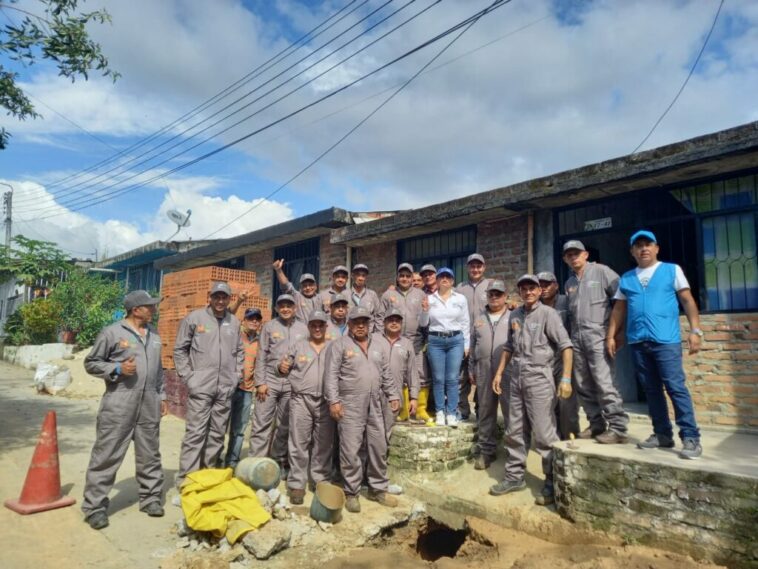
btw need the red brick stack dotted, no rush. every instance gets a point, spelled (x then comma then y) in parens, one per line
(185, 291)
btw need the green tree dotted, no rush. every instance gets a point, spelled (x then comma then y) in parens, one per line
(30, 261)
(86, 303)
(58, 34)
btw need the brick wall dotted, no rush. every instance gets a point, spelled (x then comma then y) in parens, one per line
(260, 262)
(329, 257)
(503, 243)
(723, 377)
(381, 259)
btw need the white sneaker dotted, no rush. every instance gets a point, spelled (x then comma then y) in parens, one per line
(452, 421)
(440, 420)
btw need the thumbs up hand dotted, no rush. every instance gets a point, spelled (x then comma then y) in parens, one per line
(129, 367)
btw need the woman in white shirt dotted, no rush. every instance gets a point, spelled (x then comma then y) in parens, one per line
(446, 313)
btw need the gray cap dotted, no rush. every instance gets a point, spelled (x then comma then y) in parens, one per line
(528, 279)
(573, 244)
(340, 269)
(547, 276)
(340, 297)
(393, 312)
(221, 286)
(357, 312)
(139, 298)
(406, 266)
(475, 257)
(307, 277)
(360, 267)
(428, 267)
(285, 298)
(317, 316)
(497, 285)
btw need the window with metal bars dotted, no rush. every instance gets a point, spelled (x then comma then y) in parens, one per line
(301, 257)
(442, 249)
(709, 228)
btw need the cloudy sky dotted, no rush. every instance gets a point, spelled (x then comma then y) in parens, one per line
(534, 87)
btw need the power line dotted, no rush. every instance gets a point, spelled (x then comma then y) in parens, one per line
(407, 54)
(495, 4)
(110, 195)
(681, 89)
(124, 170)
(227, 90)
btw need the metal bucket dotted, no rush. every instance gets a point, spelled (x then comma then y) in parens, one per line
(327, 503)
(258, 472)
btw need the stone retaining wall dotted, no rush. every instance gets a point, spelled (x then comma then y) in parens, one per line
(430, 449)
(708, 515)
(30, 356)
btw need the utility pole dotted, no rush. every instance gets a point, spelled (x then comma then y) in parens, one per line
(8, 208)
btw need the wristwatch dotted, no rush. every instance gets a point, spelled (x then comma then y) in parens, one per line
(697, 331)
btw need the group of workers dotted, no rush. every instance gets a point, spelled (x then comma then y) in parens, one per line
(329, 376)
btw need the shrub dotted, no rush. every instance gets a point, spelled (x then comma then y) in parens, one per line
(41, 318)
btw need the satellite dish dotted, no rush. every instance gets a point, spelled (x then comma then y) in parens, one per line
(182, 220)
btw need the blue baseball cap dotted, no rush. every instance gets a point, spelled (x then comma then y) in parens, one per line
(445, 271)
(253, 313)
(643, 233)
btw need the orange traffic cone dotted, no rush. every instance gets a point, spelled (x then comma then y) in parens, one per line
(42, 488)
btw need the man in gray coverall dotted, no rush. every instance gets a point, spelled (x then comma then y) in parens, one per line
(307, 299)
(311, 429)
(337, 286)
(489, 333)
(475, 291)
(567, 410)
(589, 291)
(209, 359)
(357, 385)
(127, 355)
(272, 389)
(535, 334)
(336, 327)
(408, 299)
(399, 352)
(360, 295)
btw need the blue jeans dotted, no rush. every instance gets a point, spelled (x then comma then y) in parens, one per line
(659, 367)
(445, 357)
(242, 402)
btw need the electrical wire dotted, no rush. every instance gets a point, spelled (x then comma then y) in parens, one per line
(109, 195)
(297, 44)
(91, 182)
(333, 93)
(681, 89)
(360, 123)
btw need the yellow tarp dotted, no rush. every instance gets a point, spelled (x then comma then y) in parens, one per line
(213, 500)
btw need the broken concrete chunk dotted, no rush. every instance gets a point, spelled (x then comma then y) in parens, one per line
(268, 540)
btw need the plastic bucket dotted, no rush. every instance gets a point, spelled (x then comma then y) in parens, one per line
(258, 472)
(327, 503)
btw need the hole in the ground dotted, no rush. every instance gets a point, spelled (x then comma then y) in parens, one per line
(437, 540)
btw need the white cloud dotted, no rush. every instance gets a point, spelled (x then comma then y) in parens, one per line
(80, 234)
(551, 97)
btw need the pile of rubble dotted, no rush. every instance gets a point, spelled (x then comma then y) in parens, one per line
(291, 536)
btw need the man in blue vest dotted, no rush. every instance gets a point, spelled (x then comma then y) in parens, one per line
(647, 300)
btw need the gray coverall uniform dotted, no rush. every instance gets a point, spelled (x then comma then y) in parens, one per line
(209, 358)
(476, 297)
(589, 301)
(402, 360)
(277, 337)
(533, 339)
(567, 410)
(333, 330)
(129, 410)
(409, 303)
(363, 383)
(328, 295)
(487, 341)
(310, 425)
(370, 301)
(304, 305)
